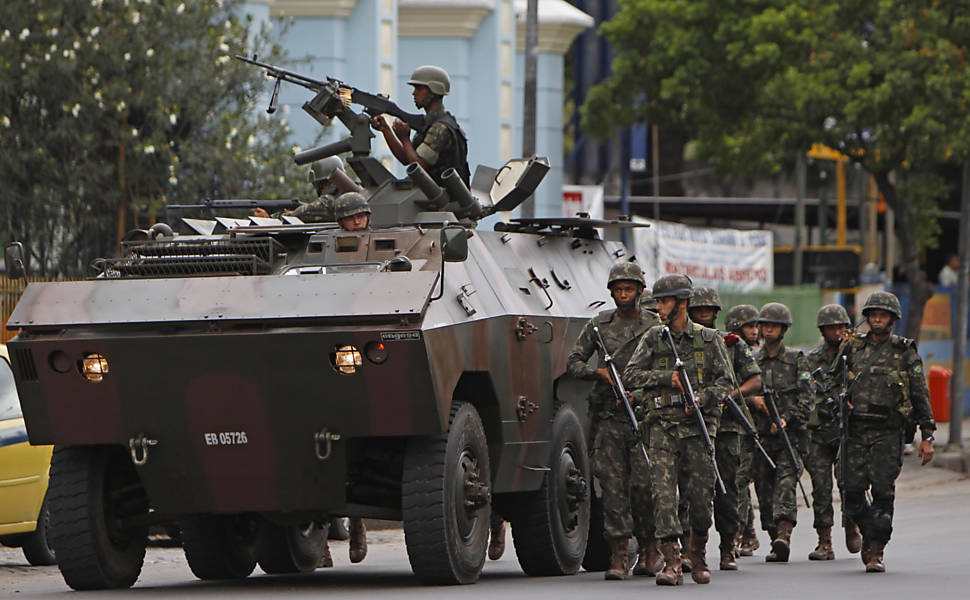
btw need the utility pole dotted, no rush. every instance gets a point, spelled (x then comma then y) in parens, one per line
(798, 256)
(529, 107)
(957, 382)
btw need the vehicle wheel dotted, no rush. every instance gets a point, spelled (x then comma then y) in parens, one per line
(550, 528)
(339, 529)
(36, 546)
(446, 501)
(290, 548)
(597, 556)
(93, 490)
(220, 547)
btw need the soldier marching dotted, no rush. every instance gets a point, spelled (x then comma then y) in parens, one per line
(843, 412)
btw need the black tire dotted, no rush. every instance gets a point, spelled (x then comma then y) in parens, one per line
(551, 525)
(36, 546)
(92, 488)
(597, 556)
(446, 501)
(220, 547)
(339, 529)
(284, 549)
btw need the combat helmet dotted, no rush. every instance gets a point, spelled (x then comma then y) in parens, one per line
(626, 271)
(432, 76)
(775, 312)
(887, 301)
(739, 316)
(678, 286)
(705, 297)
(832, 314)
(350, 204)
(320, 172)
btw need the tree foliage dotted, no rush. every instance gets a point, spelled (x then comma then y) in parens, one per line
(886, 82)
(112, 107)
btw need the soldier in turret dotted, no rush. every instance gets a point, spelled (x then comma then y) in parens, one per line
(746, 381)
(786, 373)
(888, 398)
(833, 322)
(618, 464)
(321, 209)
(679, 456)
(742, 321)
(352, 212)
(441, 144)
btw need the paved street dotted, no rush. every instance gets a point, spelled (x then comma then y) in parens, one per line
(928, 555)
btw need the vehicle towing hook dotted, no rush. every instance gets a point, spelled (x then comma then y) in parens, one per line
(327, 438)
(139, 448)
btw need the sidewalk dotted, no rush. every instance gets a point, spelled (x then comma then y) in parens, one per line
(956, 459)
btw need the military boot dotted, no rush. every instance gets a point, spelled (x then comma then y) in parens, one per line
(737, 545)
(699, 571)
(326, 561)
(619, 559)
(772, 535)
(749, 541)
(853, 539)
(496, 541)
(649, 560)
(684, 555)
(824, 549)
(672, 573)
(728, 562)
(781, 544)
(358, 540)
(875, 564)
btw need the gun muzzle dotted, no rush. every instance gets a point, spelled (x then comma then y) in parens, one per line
(343, 182)
(460, 194)
(313, 154)
(437, 197)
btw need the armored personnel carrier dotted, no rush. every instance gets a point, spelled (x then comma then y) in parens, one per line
(252, 379)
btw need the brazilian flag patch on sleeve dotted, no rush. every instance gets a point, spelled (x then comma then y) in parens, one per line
(806, 376)
(918, 369)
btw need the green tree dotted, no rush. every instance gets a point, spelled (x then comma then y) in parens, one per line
(110, 108)
(884, 81)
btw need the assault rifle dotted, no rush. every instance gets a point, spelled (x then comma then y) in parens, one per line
(681, 369)
(843, 418)
(769, 395)
(619, 392)
(742, 418)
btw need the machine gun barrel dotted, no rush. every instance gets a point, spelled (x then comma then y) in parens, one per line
(619, 392)
(227, 204)
(681, 369)
(769, 395)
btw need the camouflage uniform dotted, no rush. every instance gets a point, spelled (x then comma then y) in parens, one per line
(676, 446)
(318, 211)
(735, 318)
(889, 398)
(791, 380)
(823, 427)
(729, 434)
(617, 460)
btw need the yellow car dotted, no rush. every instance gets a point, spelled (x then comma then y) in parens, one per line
(24, 470)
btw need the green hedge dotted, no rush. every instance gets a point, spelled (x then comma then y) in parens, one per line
(804, 302)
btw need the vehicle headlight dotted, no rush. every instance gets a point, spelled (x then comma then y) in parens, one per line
(93, 367)
(346, 359)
